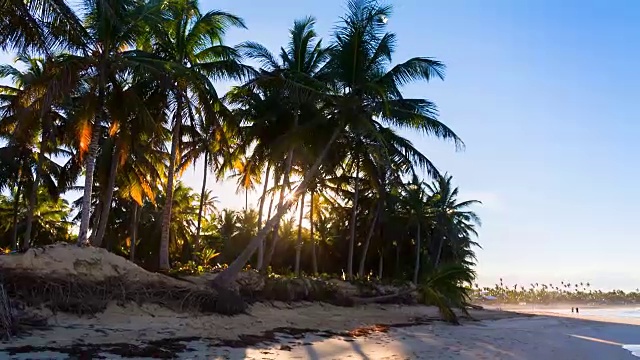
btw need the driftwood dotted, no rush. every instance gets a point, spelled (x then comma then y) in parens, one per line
(382, 298)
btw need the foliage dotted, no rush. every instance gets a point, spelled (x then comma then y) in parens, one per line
(123, 93)
(447, 287)
(565, 292)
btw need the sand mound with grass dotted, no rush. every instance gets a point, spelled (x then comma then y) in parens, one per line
(85, 280)
(89, 263)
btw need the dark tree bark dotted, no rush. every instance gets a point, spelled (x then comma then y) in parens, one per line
(196, 243)
(354, 211)
(299, 242)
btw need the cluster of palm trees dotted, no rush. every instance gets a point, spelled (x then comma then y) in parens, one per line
(120, 96)
(565, 292)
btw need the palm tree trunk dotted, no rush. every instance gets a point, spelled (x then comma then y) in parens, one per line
(354, 211)
(285, 186)
(163, 263)
(91, 160)
(16, 203)
(440, 245)
(229, 274)
(263, 243)
(133, 231)
(299, 242)
(323, 240)
(26, 241)
(380, 263)
(96, 221)
(202, 192)
(381, 248)
(398, 259)
(314, 259)
(416, 270)
(260, 261)
(365, 248)
(106, 205)
(186, 250)
(246, 201)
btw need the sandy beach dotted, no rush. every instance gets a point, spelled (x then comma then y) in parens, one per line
(319, 331)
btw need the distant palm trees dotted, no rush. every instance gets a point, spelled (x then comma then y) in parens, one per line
(548, 294)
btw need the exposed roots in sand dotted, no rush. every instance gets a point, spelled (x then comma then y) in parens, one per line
(7, 322)
(73, 294)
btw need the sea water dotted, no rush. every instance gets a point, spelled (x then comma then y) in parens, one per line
(613, 312)
(635, 349)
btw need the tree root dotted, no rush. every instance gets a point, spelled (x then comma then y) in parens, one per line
(382, 298)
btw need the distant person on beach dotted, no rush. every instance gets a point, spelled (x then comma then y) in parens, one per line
(572, 310)
(577, 311)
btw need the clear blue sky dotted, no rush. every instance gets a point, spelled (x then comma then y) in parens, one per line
(544, 94)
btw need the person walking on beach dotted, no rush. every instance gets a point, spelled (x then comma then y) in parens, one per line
(572, 310)
(577, 311)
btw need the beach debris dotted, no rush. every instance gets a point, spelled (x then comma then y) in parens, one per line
(7, 322)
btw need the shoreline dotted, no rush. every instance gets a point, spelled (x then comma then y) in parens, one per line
(162, 333)
(320, 331)
(547, 311)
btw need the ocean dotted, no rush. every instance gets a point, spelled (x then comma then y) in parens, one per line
(619, 312)
(611, 312)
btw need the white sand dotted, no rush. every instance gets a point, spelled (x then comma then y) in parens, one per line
(151, 322)
(542, 337)
(91, 263)
(142, 332)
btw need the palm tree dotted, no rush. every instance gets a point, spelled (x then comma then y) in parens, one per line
(368, 90)
(299, 62)
(248, 174)
(38, 26)
(140, 129)
(418, 205)
(208, 140)
(453, 221)
(23, 118)
(51, 221)
(191, 44)
(100, 56)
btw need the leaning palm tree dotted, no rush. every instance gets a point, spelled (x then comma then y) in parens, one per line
(190, 43)
(364, 90)
(283, 82)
